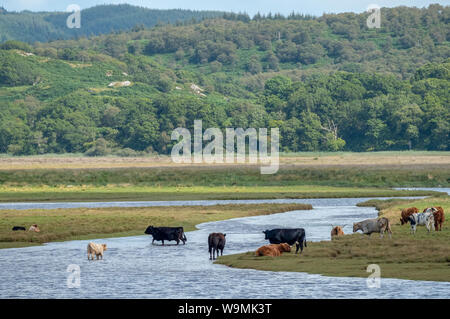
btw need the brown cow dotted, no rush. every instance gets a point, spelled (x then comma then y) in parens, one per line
(439, 216)
(406, 212)
(337, 231)
(216, 242)
(273, 250)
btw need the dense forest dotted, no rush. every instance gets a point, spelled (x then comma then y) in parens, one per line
(30, 26)
(329, 83)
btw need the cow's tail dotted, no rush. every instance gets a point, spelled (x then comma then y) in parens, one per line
(184, 237)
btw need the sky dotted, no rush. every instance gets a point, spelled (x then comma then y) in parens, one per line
(315, 7)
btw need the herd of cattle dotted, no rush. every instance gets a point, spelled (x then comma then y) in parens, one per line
(281, 240)
(431, 217)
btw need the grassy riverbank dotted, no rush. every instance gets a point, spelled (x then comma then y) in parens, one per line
(88, 223)
(420, 257)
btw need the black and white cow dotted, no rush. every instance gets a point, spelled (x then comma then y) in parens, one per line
(421, 219)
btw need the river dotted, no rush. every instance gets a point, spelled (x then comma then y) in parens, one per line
(133, 268)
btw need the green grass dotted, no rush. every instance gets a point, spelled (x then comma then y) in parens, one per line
(420, 257)
(234, 176)
(148, 193)
(88, 223)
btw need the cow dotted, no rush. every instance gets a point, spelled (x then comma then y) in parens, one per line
(337, 231)
(216, 242)
(370, 226)
(273, 250)
(406, 212)
(166, 233)
(290, 236)
(34, 228)
(421, 219)
(16, 228)
(439, 216)
(95, 249)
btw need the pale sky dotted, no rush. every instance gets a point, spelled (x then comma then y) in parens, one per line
(315, 7)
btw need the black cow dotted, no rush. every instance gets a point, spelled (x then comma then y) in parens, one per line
(289, 236)
(15, 228)
(166, 233)
(216, 242)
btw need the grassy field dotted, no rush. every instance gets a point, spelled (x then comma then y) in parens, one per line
(84, 223)
(148, 193)
(420, 257)
(301, 175)
(314, 159)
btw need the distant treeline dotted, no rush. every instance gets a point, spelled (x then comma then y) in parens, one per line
(30, 26)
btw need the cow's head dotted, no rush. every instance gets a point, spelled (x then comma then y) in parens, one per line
(104, 246)
(356, 227)
(266, 232)
(337, 231)
(149, 230)
(284, 247)
(430, 210)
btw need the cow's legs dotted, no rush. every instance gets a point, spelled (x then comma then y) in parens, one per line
(162, 242)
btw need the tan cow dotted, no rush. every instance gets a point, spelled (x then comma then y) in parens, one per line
(95, 249)
(34, 228)
(273, 250)
(337, 231)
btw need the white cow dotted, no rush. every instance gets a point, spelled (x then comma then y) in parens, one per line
(421, 219)
(95, 249)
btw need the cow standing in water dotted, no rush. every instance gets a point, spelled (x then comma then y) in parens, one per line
(216, 242)
(97, 250)
(166, 233)
(290, 236)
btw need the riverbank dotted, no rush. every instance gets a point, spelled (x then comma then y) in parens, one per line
(91, 223)
(420, 257)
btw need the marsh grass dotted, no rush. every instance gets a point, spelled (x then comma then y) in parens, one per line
(425, 256)
(88, 223)
(322, 175)
(126, 192)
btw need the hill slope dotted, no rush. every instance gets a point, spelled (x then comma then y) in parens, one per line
(48, 26)
(328, 83)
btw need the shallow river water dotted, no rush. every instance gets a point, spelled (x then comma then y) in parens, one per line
(133, 268)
